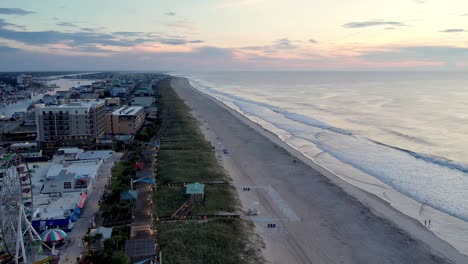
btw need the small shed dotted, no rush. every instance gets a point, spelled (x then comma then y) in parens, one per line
(140, 249)
(106, 233)
(196, 192)
(129, 195)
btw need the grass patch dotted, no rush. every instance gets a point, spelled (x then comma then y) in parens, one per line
(217, 200)
(168, 199)
(188, 166)
(220, 241)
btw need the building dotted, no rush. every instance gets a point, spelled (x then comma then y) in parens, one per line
(61, 187)
(121, 92)
(30, 151)
(80, 122)
(24, 80)
(143, 100)
(196, 192)
(126, 120)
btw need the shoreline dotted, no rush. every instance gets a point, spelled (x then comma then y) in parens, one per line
(379, 207)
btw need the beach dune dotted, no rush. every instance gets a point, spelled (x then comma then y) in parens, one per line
(306, 215)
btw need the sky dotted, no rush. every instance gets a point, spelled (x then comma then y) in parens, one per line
(192, 35)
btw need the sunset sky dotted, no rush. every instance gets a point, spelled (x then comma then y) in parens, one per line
(233, 35)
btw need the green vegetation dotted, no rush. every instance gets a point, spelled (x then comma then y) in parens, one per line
(122, 173)
(168, 199)
(113, 247)
(216, 200)
(221, 241)
(185, 156)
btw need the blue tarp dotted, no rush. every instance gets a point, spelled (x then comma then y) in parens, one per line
(128, 195)
(74, 217)
(144, 180)
(75, 214)
(77, 211)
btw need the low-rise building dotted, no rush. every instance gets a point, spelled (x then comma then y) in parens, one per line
(126, 120)
(143, 101)
(119, 92)
(62, 187)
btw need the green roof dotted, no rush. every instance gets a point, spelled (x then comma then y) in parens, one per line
(195, 188)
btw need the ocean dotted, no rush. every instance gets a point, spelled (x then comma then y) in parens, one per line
(408, 130)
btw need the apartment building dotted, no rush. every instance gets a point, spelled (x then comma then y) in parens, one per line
(80, 122)
(126, 120)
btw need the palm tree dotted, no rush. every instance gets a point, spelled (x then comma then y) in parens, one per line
(88, 239)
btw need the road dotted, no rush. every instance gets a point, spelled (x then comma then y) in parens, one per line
(74, 247)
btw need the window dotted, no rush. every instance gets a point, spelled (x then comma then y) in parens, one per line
(67, 185)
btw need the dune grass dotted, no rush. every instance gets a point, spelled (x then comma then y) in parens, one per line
(221, 241)
(186, 156)
(168, 199)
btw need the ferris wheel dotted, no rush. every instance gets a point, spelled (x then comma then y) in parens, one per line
(17, 236)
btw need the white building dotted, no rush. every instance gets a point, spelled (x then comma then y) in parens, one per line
(61, 188)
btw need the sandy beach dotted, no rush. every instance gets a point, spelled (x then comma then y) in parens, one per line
(318, 217)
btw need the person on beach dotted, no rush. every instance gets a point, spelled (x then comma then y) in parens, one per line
(425, 222)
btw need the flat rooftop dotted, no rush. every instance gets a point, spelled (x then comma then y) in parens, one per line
(49, 206)
(78, 104)
(76, 167)
(127, 110)
(95, 154)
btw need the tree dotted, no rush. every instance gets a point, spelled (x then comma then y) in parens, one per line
(88, 239)
(120, 258)
(97, 238)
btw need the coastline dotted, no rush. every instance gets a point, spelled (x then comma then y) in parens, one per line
(379, 207)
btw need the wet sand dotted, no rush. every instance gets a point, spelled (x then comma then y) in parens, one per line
(318, 217)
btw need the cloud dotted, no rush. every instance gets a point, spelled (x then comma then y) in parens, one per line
(464, 14)
(170, 13)
(206, 57)
(6, 49)
(182, 24)
(313, 41)
(14, 11)
(88, 29)
(445, 54)
(373, 23)
(128, 33)
(280, 44)
(66, 24)
(89, 37)
(453, 30)
(3, 23)
(419, 1)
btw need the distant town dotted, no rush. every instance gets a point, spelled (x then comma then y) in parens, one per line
(61, 153)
